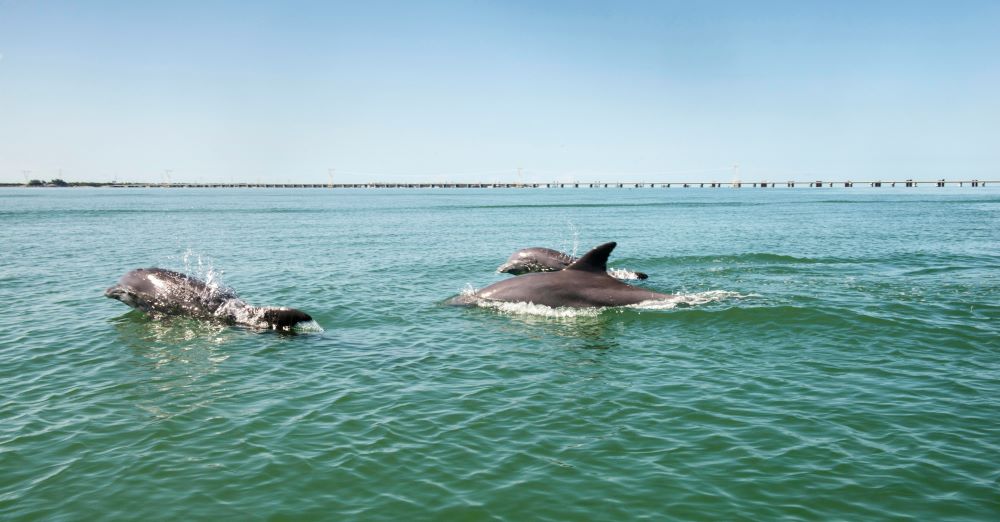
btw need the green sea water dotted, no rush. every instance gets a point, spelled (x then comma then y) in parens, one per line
(835, 355)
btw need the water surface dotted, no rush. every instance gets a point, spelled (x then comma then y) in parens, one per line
(839, 358)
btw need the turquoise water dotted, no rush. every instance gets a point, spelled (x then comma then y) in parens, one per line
(836, 356)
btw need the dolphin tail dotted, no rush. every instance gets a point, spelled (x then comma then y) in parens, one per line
(283, 318)
(267, 317)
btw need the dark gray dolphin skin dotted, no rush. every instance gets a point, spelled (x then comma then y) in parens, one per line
(583, 284)
(155, 290)
(541, 259)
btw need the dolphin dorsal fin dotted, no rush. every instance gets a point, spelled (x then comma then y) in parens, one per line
(594, 261)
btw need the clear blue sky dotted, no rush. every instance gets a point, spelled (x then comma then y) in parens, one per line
(406, 91)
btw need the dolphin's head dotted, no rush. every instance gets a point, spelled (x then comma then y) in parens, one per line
(513, 268)
(284, 318)
(114, 292)
(534, 259)
(122, 294)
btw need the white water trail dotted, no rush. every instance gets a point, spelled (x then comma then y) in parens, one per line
(687, 300)
(308, 327)
(532, 309)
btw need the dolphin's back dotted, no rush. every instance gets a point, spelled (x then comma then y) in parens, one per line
(541, 259)
(173, 293)
(536, 259)
(169, 292)
(574, 289)
(584, 283)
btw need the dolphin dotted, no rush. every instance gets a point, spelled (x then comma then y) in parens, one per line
(583, 284)
(541, 259)
(159, 291)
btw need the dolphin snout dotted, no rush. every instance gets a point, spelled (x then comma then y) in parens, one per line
(122, 294)
(510, 268)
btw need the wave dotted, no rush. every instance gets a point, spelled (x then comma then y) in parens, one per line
(937, 270)
(61, 213)
(688, 300)
(753, 257)
(894, 259)
(955, 201)
(675, 204)
(788, 318)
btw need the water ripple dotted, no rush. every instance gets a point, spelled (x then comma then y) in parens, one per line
(842, 375)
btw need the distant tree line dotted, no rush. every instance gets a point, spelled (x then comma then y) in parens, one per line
(59, 183)
(54, 183)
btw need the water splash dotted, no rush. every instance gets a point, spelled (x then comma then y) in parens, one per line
(623, 273)
(686, 300)
(575, 234)
(203, 268)
(531, 309)
(308, 327)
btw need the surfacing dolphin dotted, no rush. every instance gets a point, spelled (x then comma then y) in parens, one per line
(541, 259)
(155, 290)
(583, 284)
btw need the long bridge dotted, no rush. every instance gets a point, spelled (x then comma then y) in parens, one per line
(592, 184)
